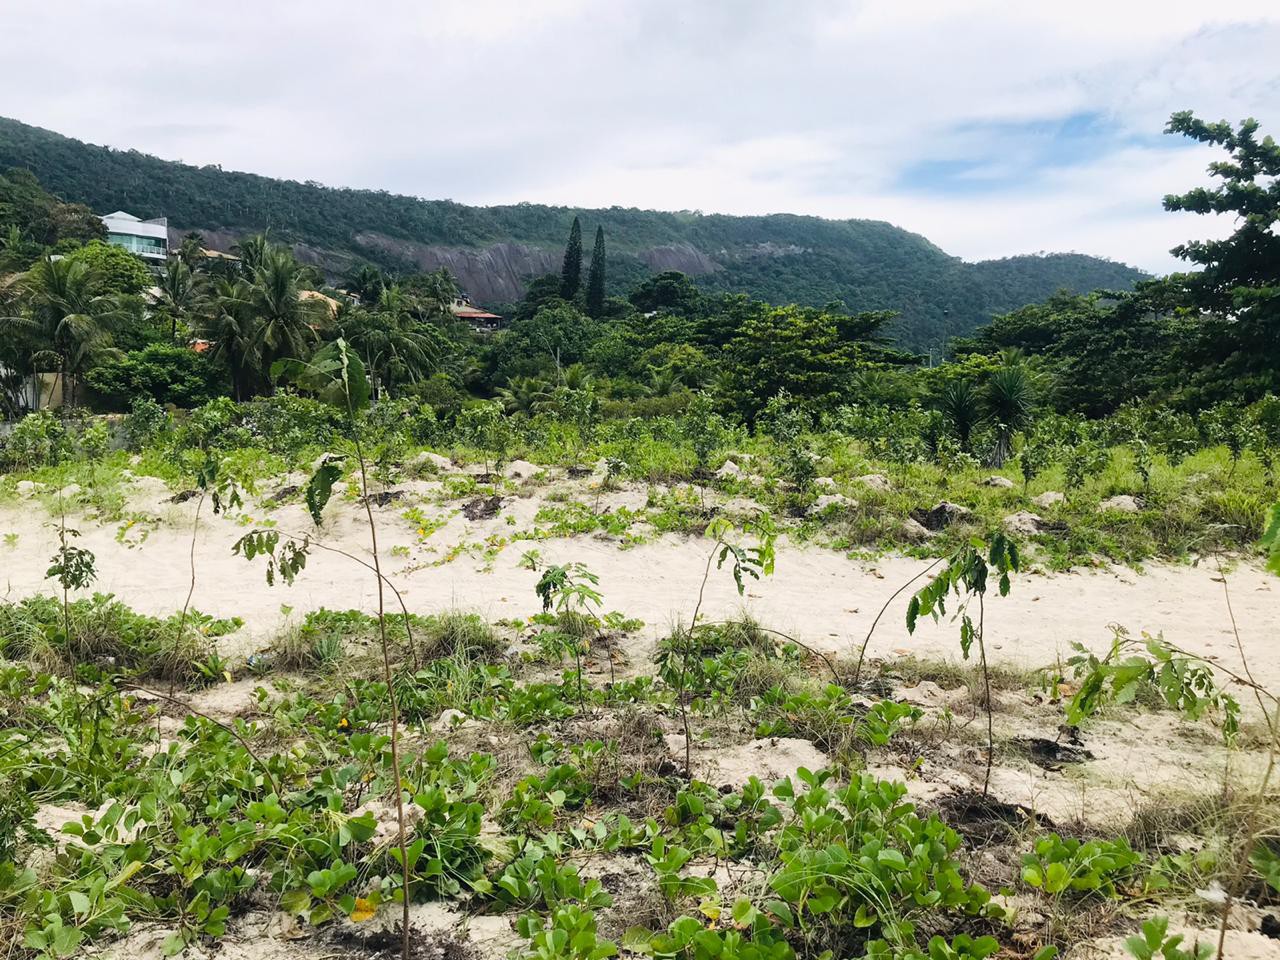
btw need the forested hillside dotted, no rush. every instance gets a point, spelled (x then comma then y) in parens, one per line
(870, 265)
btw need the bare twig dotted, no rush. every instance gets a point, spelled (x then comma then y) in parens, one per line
(862, 651)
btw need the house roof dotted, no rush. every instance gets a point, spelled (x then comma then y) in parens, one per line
(328, 301)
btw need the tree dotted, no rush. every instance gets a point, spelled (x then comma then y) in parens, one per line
(226, 321)
(40, 218)
(561, 334)
(284, 324)
(669, 292)
(1010, 396)
(960, 404)
(595, 278)
(367, 282)
(396, 347)
(165, 372)
(177, 295)
(117, 270)
(571, 272)
(68, 318)
(191, 250)
(524, 395)
(806, 352)
(1238, 285)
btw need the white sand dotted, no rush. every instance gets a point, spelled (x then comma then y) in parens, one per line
(817, 595)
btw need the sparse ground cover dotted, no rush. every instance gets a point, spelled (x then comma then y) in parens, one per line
(602, 740)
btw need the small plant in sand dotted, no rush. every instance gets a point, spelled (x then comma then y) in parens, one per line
(337, 376)
(75, 568)
(571, 589)
(966, 574)
(745, 561)
(1154, 943)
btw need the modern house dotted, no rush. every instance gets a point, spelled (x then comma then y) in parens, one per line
(149, 239)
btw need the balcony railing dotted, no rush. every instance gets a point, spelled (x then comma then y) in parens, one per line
(140, 246)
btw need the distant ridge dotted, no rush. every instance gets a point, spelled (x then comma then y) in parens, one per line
(494, 251)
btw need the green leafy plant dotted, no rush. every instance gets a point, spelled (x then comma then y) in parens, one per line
(1059, 866)
(966, 574)
(1154, 943)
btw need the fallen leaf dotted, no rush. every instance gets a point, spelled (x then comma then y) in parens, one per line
(364, 910)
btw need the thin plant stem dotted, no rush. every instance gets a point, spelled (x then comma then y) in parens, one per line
(1251, 817)
(862, 651)
(186, 604)
(391, 690)
(986, 683)
(684, 667)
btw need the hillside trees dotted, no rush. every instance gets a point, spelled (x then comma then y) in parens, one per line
(31, 219)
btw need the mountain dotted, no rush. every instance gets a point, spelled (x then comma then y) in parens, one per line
(494, 251)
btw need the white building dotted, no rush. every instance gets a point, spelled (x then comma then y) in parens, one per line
(149, 239)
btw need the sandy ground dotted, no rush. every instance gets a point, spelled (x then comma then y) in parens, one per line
(817, 595)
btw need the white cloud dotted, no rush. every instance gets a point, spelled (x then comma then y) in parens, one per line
(825, 107)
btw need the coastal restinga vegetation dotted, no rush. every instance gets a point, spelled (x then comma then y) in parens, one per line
(366, 772)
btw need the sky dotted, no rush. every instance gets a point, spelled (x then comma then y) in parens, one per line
(992, 128)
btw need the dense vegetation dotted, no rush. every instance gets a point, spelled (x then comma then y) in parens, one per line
(867, 265)
(528, 757)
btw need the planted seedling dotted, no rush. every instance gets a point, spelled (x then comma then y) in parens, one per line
(966, 575)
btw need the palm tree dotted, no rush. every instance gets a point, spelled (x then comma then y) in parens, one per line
(524, 395)
(191, 250)
(1010, 401)
(367, 282)
(252, 252)
(663, 382)
(227, 321)
(394, 348)
(68, 318)
(179, 294)
(960, 404)
(284, 324)
(434, 294)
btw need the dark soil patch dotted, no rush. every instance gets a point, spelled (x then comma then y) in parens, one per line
(482, 508)
(387, 944)
(1051, 754)
(284, 493)
(984, 818)
(940, 516)
(385, 497)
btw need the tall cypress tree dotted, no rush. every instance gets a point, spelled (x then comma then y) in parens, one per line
(571, 272)
(595, 277)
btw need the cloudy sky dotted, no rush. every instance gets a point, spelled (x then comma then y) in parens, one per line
(993, 128)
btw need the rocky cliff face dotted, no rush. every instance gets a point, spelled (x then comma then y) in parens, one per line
(494, 274)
